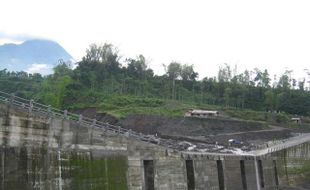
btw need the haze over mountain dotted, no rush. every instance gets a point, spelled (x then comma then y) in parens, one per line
(32, 56)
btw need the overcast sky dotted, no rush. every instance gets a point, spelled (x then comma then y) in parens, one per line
(272, 34)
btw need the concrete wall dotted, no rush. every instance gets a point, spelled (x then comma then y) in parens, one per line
(233, 174)
(293, 165)
(206, 175)
(269, 175)
(250, 171)
(40, 152)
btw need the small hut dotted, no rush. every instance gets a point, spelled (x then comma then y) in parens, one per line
(296, 120)
(202, 113)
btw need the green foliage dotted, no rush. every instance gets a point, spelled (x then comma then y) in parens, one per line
(249, 114)
(100, 80)
(20, 83)
(121, 106)
(137, 68)
(188, 73)
(174, 70)
(263, 116)
(270, 100)
(285, 80)
(54, 89)
(224, 74)
(282, 118)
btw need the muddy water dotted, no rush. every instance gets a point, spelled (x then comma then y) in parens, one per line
(28, 168)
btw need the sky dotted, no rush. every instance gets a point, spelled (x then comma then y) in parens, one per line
(267, 34)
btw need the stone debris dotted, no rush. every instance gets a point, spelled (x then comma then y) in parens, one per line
(201, 147)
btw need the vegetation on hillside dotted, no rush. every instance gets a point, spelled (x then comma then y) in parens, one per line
(101, 80)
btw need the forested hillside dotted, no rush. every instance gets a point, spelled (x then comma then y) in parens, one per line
(101, 80)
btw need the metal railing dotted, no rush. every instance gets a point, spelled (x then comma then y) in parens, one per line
(31, 106)
(35, 107)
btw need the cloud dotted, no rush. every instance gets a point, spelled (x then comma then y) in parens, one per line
(17, 38)
(44, 69)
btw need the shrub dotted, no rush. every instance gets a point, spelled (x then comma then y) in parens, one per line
(282, 118)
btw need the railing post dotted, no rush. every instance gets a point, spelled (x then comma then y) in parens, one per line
(94, 123)
(80, 118)
(12, 96)
(77, 130)
(30, 105)
(65, 114)
(91, 131)
(49, 110)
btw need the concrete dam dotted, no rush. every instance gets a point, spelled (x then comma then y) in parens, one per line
(45, 148)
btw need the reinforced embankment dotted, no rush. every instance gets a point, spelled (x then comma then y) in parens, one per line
(40, 150)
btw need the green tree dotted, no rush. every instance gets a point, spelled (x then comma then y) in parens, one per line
(285, 80)
(188, 73)
(265, 79)
(270, 100)
(258, 77)
(137, 68)
(63, 68)
(224, 73)
(301, 85)
(99, 63)
(227, 96)
(173, 70)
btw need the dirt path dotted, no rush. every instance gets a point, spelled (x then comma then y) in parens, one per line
(272, 128)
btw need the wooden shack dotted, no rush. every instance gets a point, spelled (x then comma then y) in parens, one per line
(202, 113)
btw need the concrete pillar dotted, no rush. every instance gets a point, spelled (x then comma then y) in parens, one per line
(221, 175)
(282, 167)
(76, 130)
(206, 176)
(233, 180)
(258, 174)
(170, 173)
(91, 130)
(7, 122)
(275, 168)
(251, 175)
(269, 174)
(135, 177)
(2, 154)
(28, 129)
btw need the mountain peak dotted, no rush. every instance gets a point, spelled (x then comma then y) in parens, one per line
(40, 42)
(32, 53)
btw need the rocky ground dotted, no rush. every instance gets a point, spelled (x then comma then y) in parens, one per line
(219, 134)
(246, 135)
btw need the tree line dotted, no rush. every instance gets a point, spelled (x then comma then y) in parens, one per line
(100, 72)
